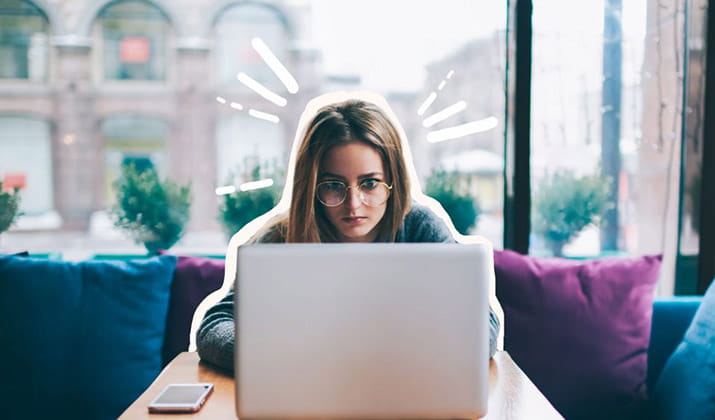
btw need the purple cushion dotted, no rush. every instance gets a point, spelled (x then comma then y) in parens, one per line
(580, 330)
(194, 279)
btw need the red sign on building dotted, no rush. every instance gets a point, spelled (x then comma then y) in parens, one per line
(14, 180)
(134, 50)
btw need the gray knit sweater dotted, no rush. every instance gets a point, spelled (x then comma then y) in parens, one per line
(215, 338)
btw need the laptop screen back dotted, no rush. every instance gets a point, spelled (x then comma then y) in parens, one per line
(362, 331)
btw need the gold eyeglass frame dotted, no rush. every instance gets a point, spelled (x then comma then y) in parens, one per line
(360, 193)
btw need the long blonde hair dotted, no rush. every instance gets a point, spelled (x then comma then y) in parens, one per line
(337, 124)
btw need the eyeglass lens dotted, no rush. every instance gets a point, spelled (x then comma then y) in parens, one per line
(333, 193)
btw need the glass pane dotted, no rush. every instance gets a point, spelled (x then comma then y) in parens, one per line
(606, 116)
(134, 41)
(244, 143)
(26, 162)
(234, 30)
(132, 139)
(440, 65)
(446, 56)
(692, 160)
(24, 33)
(457, 66)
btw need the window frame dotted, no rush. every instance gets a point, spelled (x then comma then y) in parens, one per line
(706, 255)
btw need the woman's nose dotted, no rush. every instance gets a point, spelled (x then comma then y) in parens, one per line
(353, 201)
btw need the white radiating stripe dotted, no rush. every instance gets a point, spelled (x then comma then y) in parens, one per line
(236, 105)
(264, 116)
(432, 96)
(441, 85)
(254, 185)
(444, 114)
(261, 90)
(228, 189)
(462, 130)
(278, 68)
(449, 75)
(220, 100)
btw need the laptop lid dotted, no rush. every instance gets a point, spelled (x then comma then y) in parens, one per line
(348, 331)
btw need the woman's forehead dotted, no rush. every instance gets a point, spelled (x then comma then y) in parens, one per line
(352, 159)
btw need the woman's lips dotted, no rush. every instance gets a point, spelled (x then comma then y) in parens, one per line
(354, 220)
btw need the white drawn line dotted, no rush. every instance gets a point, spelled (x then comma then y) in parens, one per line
(225, 190)
(432, 96)
(236, 105)
(254, 185)
(264, 116)
(449, 75)
(278, 68)
(261, 90)
(478, 126)
(444, 114)
(441, 85)
(220, 100)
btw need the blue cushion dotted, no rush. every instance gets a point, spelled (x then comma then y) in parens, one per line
(686, 386)
(80, 340)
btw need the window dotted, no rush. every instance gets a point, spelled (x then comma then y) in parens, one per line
(692, 159)
(605, 126)
(26, 161)
(244, 143)
(617, 108)
(140, 140)
(441, 66)
(24, 33)
(235, 27)
(134, 38)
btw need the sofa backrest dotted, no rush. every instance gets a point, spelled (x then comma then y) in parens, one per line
(671, 317)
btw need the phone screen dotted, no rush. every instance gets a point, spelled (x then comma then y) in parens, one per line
(181, 394)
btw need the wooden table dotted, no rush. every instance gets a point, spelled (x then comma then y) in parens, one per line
(511, 394)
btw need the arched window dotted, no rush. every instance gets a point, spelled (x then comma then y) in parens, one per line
(24, 31)
(242, 142)
(235, 28)
(26, 158)
(132, 139)
(134, 38)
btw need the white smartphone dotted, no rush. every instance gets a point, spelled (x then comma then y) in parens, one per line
(181, 398)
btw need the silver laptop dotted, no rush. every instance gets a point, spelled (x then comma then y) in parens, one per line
(362, 331)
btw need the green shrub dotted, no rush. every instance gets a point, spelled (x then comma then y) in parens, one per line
(9, 205)
(152, 211)
(239, 208)
(462, 208)
(564, 205)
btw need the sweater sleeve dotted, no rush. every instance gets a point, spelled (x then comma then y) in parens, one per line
(216, 336)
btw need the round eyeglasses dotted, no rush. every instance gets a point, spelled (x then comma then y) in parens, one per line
(372, 193)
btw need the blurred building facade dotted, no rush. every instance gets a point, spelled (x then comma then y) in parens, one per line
(88, 85)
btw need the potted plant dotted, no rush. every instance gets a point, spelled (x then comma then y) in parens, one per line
(462, 207)
(240, 207)
(9, 207)
(565, 204)
(152, 211)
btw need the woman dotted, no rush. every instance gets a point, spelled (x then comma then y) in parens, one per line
(350, 184)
